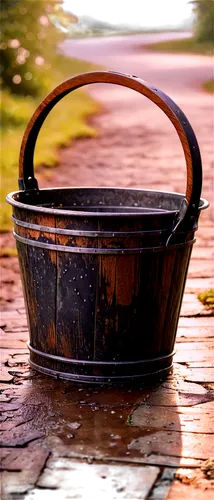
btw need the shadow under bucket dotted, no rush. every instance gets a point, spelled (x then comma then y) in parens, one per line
(104, 269)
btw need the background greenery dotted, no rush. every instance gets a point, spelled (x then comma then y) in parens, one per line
(185, 45)
(204, 20)
(30, 68)
(203, 39)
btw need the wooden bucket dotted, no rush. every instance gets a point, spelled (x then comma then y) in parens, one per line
(104, 269)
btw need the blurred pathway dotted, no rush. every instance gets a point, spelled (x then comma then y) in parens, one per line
(134, 135)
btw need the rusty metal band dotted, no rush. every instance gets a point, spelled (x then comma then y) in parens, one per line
(98, 379)
(62, 359)
(98, 251)
(92, 234)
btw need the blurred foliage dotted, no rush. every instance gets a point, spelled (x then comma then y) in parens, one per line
(15, 110)
(207, 298)
(203, 40)
(29, 43)
(8, 252)
(30, 68)
(61, 19)
(204, 24)
(186, 45)
(209, 86)
(66, 121)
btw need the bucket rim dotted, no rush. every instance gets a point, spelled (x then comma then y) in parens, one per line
(56, 211)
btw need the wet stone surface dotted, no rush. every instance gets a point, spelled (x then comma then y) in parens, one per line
(149, 428)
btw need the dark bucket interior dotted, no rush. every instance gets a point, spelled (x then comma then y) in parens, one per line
(110, 200)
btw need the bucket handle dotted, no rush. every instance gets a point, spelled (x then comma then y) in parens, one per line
(176, 116)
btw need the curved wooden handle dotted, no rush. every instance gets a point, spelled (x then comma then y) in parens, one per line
(174, 113)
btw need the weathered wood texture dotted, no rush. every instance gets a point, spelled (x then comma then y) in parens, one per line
(101, 288)
(100, 307)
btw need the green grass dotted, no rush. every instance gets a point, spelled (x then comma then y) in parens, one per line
(8, 252)
(66, 121)
(186, 45)
(207, 298)
(129, 420)
(209, 86)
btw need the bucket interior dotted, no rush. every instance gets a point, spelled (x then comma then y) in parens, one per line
(102, 200)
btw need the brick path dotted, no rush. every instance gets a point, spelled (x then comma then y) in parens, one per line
(80, 442)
